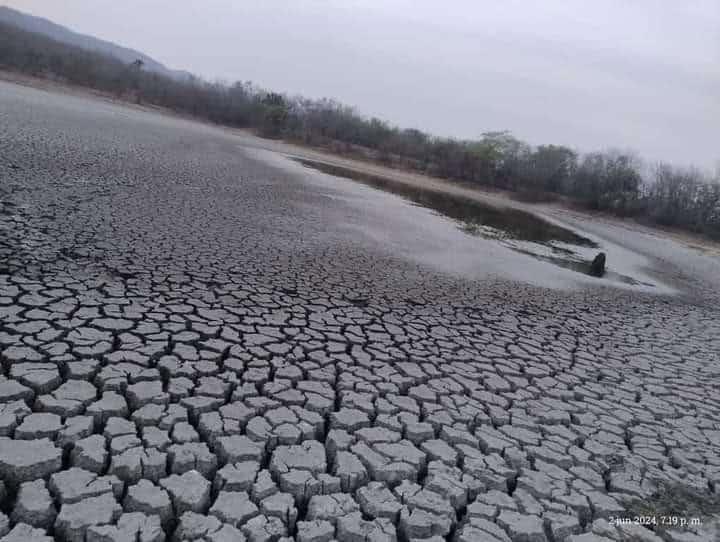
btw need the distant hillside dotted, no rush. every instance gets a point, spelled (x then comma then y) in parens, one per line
(59, 33)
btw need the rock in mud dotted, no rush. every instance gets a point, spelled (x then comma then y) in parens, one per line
(597, 267)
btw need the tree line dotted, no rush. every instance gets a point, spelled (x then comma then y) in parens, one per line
(612, 181)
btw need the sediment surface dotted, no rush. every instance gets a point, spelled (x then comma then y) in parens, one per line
(200, 344)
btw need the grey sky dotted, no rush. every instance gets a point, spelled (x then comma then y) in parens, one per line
(640, 74)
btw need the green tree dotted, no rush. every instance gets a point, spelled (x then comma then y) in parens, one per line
(509, 155)
(550, 167)
(275, 114)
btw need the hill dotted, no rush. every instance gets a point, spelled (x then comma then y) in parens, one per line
(59, 33)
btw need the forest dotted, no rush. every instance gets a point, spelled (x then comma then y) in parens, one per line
(613, 181)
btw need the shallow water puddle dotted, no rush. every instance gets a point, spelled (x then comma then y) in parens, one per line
(518, 230)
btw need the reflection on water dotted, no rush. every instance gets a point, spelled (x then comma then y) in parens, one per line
(518, 230)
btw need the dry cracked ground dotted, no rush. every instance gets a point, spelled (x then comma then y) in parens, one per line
(199, 345)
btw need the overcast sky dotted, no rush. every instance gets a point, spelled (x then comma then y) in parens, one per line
(639, 74)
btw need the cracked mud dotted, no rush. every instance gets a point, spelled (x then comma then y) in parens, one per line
(199, 345)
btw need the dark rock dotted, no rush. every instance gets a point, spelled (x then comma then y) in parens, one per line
(597, 267)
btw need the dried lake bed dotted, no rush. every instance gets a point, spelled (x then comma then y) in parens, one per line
(203, 339)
